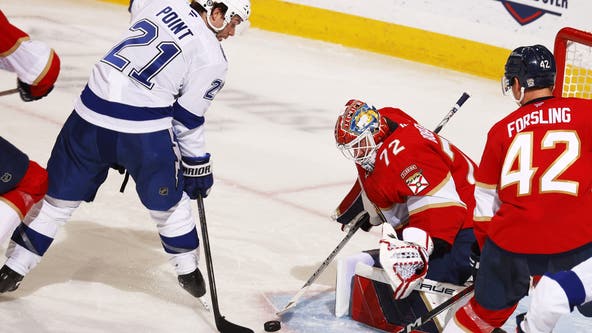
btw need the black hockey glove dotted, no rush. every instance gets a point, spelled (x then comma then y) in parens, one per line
(29, 93)
(363, 220)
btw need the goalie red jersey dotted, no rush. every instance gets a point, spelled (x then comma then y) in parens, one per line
(540, 155)
(416, 172)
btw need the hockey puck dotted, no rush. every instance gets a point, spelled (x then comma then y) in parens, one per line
(272, 326)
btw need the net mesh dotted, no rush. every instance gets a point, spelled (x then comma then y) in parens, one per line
(577, 73)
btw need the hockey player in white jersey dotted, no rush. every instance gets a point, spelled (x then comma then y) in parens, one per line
(143, 109)
(555, 295)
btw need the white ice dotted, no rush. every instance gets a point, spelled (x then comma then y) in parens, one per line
(277, 174)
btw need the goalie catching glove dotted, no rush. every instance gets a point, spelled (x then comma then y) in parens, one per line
(198, 176)
(405, 261)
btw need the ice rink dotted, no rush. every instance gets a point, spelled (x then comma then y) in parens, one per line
(277, 174)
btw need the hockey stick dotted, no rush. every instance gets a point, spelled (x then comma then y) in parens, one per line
(463, 98)
(451, 113)
(324, 265)
(223, 325)
(8, 92)
(437, 310)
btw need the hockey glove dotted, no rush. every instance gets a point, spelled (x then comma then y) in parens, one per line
(32, 93)
(356, 208)
(198, 176)
(474, 259)
(405, 262)
(365, 220)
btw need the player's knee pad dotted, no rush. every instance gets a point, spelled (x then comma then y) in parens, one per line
(29, 190)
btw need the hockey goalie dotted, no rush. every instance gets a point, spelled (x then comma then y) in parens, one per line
(419, 187)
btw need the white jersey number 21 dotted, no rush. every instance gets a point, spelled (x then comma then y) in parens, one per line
(167, 51)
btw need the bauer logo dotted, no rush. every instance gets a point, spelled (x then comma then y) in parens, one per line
(528, 11)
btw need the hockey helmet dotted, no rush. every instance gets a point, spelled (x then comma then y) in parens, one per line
(242, 8)
(533, 66)
(359, 131)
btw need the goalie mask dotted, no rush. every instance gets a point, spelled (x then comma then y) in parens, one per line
(359, 131)
(242, 8)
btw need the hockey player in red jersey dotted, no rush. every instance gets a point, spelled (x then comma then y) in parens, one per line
(421, 185)
(22, 182)
(36, 65)
(533, 191)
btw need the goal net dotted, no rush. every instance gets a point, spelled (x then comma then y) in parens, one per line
(573, 54)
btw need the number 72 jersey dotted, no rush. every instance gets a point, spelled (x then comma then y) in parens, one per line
(167, 64)
(533, 190)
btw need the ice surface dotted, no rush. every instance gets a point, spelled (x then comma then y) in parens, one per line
(277, 174)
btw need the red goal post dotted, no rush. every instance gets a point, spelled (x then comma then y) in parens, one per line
(573, 54)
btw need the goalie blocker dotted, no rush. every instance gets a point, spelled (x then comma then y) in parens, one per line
(367, 296)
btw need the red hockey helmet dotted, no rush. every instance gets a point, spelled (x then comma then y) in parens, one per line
(359, 132)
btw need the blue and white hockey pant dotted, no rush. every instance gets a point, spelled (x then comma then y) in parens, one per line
(79, 164)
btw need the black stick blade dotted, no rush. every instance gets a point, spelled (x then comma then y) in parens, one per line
(224, 326)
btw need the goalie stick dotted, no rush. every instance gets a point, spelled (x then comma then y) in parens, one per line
(363, 219)
(223, 325)
(8, 92)
(437, 310)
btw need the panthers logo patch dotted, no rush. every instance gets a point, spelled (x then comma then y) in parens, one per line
(417, 182)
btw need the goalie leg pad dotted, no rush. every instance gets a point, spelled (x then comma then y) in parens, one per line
(373, 304)
(343, 286)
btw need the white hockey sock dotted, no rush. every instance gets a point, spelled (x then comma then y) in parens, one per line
(20, 259)
(44, 218)
(177, 221)
(185, 263)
